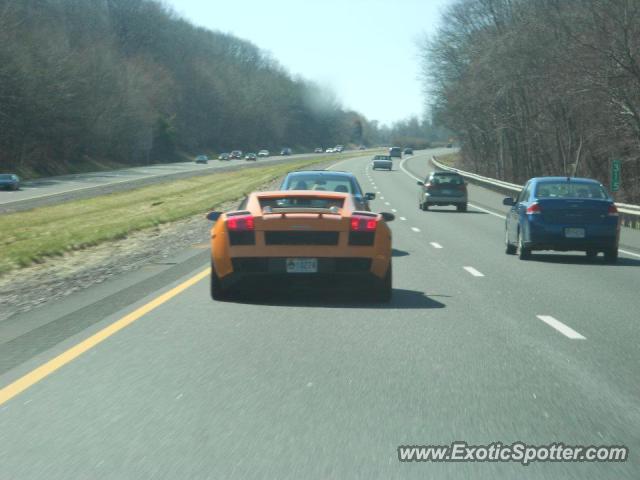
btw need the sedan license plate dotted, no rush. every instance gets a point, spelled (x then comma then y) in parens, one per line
(302, 265)
(574, 232)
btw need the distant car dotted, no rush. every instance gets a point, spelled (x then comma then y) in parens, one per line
(563, 214)
(338, 148)
(382, 161)
(286, 151)
(237, 154)
(224, 156)
(9, 181)
(263, 153)
(362, 147)
(278, 238)
(202, 159)
(408, 151)
(330, 150)
(449, 145)
(251, 156)
(395, 152)
(443, 188)
(328, 180)
(318, 150)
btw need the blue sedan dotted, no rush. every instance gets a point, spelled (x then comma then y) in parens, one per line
(9, 181)
(563, 214)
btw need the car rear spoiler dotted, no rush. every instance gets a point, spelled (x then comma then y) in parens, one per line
(283, 211)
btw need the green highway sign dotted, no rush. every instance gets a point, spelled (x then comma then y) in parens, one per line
(616, 168)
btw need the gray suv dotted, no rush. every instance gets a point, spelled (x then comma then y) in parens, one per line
(443, 188)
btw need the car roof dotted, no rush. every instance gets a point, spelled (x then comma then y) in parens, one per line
(322, 172)
(445, 173)
(564, 179)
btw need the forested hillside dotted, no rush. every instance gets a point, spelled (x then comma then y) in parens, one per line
(538, 87)
(90, 82)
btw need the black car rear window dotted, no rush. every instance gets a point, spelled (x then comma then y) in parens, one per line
(447, 179)
(328, 183)
(303, 202)
(570, 190)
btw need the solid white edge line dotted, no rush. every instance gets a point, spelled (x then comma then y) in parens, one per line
(474, 272)
(561, 327)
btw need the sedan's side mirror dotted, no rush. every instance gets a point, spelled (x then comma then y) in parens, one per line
(213, 216)
(370, 196)
(420, 183)
(388, 217)
(510, 202)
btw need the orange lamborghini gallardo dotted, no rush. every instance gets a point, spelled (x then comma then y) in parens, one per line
(294, 234)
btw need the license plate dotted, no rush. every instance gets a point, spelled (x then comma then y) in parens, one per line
(574, 232)
(302, 265)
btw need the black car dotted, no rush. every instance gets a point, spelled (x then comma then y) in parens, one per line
(408, 151)
(395, 152)
(328, 180)
(9, 181)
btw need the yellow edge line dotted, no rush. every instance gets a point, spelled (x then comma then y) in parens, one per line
(46, 369)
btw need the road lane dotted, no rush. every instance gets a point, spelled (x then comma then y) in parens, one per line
(310, 385)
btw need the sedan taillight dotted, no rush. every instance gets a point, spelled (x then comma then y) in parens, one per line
(534, 209)
(613, 210)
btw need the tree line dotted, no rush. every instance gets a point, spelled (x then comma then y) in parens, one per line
(540, 87)
(85, 83)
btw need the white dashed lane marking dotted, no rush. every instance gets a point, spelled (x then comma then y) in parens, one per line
(403, 219)
(417, 230)
(561, 327)
(474, 272)
(436, 245)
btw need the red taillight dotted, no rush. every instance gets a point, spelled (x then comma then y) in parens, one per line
(613, 210)
(238, 224)
(363, 224)
(533, 209)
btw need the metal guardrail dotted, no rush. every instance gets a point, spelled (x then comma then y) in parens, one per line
(630, 214)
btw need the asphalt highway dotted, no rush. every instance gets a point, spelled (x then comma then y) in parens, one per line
(147, 377)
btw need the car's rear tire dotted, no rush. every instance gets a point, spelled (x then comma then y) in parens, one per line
(591, 254)
(510, 248)
(383, 289)
(218, 292)
(611, 255)
(524, 253)
(462, 207)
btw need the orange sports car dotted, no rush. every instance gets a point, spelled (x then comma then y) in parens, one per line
(300, 234)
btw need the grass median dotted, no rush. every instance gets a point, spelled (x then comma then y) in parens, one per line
(29, 237)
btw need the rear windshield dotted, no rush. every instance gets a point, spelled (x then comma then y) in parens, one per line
(570, 190)
(382, 157)
(6, 177)
(302, 202)
(447, 180)
(337, 183)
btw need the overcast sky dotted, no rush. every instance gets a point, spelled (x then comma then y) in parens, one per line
(365, 50)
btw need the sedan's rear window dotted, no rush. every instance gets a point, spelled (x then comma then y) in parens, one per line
(570, 190)
(447, 180)
(337, 183)
(301, 202)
